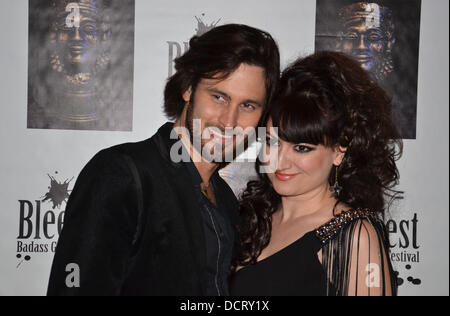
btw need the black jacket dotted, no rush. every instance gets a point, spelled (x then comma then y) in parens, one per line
(133, 224)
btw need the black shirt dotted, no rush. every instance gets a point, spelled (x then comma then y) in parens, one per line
(293, 271)
(219, 236)
(296, 270)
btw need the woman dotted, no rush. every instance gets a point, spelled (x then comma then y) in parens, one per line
(314, 227)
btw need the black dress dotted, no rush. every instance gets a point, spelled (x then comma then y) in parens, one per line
(352, 241)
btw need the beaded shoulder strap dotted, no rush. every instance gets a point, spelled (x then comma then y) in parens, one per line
(326, 232)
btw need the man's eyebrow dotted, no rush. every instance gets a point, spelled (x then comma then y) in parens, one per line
(223, 94)
(254, 102)
(226, 96)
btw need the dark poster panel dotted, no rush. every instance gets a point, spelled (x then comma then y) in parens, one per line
(81, 59)
(383, 36)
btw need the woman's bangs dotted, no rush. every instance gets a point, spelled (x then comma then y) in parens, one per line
(299, 120)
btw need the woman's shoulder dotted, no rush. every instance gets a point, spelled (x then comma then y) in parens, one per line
(346, 219)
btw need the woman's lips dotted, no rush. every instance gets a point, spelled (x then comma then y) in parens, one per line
(285, 176)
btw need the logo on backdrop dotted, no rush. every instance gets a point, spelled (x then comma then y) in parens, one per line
(177, 49)
(41, 220)
(405, 249)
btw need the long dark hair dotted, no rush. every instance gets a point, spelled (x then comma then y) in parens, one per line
(327, 99)
(220, 52)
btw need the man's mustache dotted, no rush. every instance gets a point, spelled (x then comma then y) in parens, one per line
(227, 130)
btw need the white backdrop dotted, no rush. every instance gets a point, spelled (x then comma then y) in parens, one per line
(28, 156)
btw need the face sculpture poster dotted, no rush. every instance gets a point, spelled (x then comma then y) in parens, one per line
(81, 57)
(383, 36)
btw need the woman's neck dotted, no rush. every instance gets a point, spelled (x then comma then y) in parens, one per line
(312, 203)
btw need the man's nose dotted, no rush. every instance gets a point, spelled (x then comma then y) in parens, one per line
(362, 43)
(76, 34)
(229, 116)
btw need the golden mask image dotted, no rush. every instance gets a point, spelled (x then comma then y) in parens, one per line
(383, 36)
(77, 79)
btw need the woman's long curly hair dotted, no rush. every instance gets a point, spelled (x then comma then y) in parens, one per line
(327, 99)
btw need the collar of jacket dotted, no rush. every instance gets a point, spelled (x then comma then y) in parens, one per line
(165, 138)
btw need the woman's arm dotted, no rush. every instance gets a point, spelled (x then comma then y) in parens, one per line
(369, 273)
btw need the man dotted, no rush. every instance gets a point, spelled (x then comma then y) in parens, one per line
(142, 222)
(368, 35)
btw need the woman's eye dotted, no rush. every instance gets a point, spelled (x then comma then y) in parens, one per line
(303, 149)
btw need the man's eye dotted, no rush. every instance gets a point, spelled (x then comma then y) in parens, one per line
(351, 36)
(62, 25)
(303, 149)
(375, 37)
(249, 106)
(219, 98)
(89, 29)
(65, 28)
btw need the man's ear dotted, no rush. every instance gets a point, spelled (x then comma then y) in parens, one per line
(187, 95)
(340, 154)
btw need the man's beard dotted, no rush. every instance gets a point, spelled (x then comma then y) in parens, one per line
(200, 147)
(190, 125)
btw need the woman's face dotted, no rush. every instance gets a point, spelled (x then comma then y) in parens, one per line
(302, 168)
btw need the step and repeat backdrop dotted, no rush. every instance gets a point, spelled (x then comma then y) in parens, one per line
(80, 76)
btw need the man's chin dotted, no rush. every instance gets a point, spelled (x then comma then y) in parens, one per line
(223, 152)
(220, 154)
(220, 158)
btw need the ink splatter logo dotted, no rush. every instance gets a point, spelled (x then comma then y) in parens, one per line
(203, 27)
(176, 49)
(38, 229)
(58, 192)
(405, 249)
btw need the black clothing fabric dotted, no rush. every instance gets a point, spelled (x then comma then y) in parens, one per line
(134, 226)
(352, 239)
(219, 237)
(293, 271)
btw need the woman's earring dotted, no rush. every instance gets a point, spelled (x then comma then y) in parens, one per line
(336, 188)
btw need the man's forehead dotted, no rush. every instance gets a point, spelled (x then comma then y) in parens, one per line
(370, 14)
(238, 81)
(361, 27)
(211, 82)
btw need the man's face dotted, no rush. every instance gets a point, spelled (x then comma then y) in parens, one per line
(222, 105)
(367, 35)
(79, 44)
(365, 43)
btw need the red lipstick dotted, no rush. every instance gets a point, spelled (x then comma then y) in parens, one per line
(285, 176)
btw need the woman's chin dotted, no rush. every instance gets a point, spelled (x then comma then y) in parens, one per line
(285, 192)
